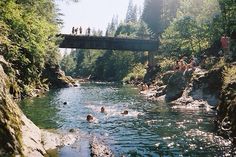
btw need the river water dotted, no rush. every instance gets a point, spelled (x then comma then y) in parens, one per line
(149, 129)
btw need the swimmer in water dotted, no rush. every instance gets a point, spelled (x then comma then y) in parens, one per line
(89, 118)
(102, 109)
(125, 112)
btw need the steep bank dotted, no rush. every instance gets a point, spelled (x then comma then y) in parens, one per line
(56, 78)
(227, 108)
(10, 121)
(18, 135)
(201, 89)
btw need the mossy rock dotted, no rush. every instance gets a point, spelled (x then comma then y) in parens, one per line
(10, 123)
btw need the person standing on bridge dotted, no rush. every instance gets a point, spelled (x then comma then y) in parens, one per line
(80, 30)
(73, 30)
(76, 31)
(88, 31)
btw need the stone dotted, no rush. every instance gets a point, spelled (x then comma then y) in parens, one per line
(99, 149)
(176, 85)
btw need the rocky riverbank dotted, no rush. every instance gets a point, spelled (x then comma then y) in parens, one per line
(20, 136)
(200, 89)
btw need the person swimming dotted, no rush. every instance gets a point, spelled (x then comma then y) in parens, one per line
(125, 112)
(102, 109)
(90, 118)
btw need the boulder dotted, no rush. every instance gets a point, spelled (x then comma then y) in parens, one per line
(56, 77)
(207, 86)
(176, 85)
(99, 149)
(166, 76)
(202, 91)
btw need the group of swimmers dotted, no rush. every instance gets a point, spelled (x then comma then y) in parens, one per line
(181, 64)
(90, 118)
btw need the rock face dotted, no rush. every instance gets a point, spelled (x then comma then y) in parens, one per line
(200, 88)
(99, 149)
(18, 135)
(10, 123)
(56, 77)
(227, 110)
(177, 82)
(207, 86)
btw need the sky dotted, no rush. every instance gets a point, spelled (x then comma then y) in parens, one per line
(95, 14)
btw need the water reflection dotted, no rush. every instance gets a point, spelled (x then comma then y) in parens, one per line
(149, 128)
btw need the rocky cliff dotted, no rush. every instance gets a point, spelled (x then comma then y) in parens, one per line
(18, 135)
(56, 77)
(227, 108)
(202, 89)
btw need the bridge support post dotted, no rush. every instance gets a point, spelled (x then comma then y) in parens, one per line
(151, 62)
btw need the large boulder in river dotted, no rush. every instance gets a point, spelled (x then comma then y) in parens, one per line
(207, 86)
(177, 82)
(202, 90)
(56, 77)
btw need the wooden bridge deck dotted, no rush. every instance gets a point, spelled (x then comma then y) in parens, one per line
(107, 43)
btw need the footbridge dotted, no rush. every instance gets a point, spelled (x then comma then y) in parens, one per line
(109, 43)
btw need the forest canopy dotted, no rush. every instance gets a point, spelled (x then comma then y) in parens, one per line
(184, 27)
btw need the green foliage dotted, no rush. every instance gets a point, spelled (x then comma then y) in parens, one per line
(229, 75)
(193, 30)
(68, 64)
(27, 37)
(166, 63)
(228, 9)
(152, 13)
(137, 72)
(131, 15)
(158, 14)
(126, 30)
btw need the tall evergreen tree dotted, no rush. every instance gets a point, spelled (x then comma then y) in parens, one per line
(132, 13)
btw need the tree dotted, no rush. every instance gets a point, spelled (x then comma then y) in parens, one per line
(132, 13)
(228, 10)
(28, 38)
(152, 13)
(192, 30)
(112, 26)
(157, 14)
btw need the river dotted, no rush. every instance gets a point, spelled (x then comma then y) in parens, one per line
(149, 129)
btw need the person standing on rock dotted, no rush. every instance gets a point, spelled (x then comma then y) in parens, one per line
(225, 44)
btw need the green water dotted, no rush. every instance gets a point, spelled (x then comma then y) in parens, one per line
(150, 128)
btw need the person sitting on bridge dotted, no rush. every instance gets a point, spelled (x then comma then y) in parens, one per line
(80, 30)
(88, 31)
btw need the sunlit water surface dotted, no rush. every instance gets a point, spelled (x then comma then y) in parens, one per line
(150, 128)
